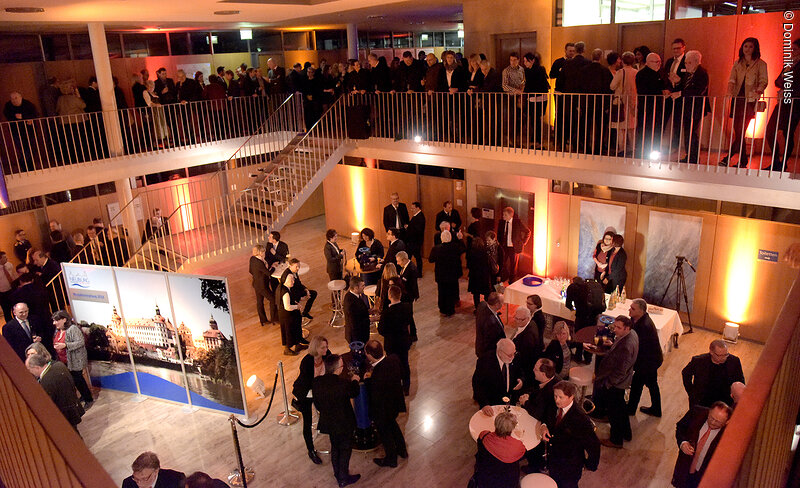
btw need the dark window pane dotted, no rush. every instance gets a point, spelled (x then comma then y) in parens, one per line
(172, 175)
(351, 161)
(16, 206)
(19, 48)
(81, 47)
(560, 186)
(56, 47)
(774, 214)
(379, 40)
(605, 192)
(293, 41)
(438, 39)
(71, 195)
(403, 39)
(679, 202)
(451, 39)
(452, 173)
(114, 45)
(143, 45)
(199, 43)
(107, 188)
(397, 166)
(205, 169)
(266, 41)
(710, 8)
(229, 42)
(179, 43)
(331, 39)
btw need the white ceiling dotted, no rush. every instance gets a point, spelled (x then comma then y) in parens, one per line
(60, 15)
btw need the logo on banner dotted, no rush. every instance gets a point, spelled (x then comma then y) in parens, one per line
(78, 278)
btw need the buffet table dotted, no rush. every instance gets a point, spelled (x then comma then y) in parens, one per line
(667, 321)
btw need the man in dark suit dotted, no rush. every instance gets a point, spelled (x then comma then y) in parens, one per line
(276, 253)
(573, 443)
(395, 246)
(258, 269)
(410, 288)
(673, 75)
(277, 77)
(693, 97)
(56, 381)
(394, 326)
(595, 78)
(449, 214)
(698, 434)
(571, 75)
(30, 290)
(386, 401)
(512, 235)
(534, 304)
(395, 215)
(332, 396)
(496, 376)
(612, 377)
(708, 377)
(488, 327)
(415, 235)
(541, 405)
(529, 344)
(49, 269)
(299, 289)
(333, 256)
(25, 329)
(356, 312)
(147, 472)
(648, 360)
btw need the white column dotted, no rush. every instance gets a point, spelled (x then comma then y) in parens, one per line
(352, 41)
(102, 69)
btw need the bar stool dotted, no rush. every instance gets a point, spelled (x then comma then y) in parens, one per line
(370, 291)
(537, 480)
(582, 377)
(336, 287)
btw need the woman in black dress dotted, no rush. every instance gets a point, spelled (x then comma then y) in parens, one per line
(289, 316)
(369, 251)
(480, 273)
(616, 276)
(447, 258)
(311, 366)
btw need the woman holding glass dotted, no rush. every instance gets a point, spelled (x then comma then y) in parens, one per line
(311, 366)
(71, 350)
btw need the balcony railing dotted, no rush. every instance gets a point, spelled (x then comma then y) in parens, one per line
(51, 142)
(696, 131)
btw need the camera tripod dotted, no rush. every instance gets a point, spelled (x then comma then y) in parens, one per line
(680, 289)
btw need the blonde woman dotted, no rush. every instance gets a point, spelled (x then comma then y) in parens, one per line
(389, 277)
(559, 350)
(311, 366)
(159, 119)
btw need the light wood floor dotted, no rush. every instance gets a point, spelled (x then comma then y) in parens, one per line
(440, 447)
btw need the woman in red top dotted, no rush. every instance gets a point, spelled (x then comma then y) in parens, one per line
(497, 460)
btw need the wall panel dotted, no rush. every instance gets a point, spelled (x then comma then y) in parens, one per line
(405, 184)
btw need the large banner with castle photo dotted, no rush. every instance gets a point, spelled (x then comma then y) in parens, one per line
(162, 335)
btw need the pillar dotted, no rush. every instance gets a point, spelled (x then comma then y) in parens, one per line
(352, 41)
(105, 84)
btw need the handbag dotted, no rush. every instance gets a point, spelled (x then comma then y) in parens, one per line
(617, 105)
(761, 105)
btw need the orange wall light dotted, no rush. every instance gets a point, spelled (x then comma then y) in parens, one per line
(358, 192)
(741, 272)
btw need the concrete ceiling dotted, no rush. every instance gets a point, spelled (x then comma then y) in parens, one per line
(151, 15)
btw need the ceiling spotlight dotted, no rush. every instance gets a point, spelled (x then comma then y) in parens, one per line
(417, 139)
(226, 12)
(24, 10)
(655, 156)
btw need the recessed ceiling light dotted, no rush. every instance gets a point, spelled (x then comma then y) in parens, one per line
(24, 10)
(226, 12)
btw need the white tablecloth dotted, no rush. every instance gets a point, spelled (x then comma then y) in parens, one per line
(667, 322)
(525, 430)
(280, 268)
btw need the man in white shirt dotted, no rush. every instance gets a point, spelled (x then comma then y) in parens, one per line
(698, 434)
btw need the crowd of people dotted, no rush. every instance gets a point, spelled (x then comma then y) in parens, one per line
(647, 104)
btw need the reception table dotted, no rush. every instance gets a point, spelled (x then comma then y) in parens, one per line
(526, 429)
(667, 321)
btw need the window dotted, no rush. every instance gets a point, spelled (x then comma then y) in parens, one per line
(397, 166)
(708, 8)
(205, 169)
(451, 39)
(679, 202)
(56, 47)
(424, 39)
(749, 211)
(107, 188)
(452, 173)
(294, 41)
(81, 47)
(583, 12)
(114, 43)
(379, 40)
(19, 48)
(179, 43)
(639, 10)
(70, 195)
(331, 39)
(266, 41)
(403, 39)
(229, 42)
(143, 45)
(605, 192)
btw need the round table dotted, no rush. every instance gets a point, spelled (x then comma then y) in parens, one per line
(280, 268)
(526, 429)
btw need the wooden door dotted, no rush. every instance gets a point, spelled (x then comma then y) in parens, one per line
(650, 34)
(433, 193)
(505, 44)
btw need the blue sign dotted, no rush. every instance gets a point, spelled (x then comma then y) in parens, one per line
(765, 255)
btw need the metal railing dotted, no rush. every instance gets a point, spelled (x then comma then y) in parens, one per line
(652, 128)
(50, 142)
(755, 449)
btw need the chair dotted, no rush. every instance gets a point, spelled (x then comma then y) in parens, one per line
(537, 480)
(582, 377)
(336, 287)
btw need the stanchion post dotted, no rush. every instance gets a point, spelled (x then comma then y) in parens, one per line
(236, 478)
(288, 417)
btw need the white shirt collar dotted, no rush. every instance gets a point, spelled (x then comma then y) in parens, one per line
(378, 361)
(566, 409)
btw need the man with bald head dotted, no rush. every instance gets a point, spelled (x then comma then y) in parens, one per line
(277, 77)
(594, 79)
(18, 110)
(528, 342)
(649, 87)
(691, 95)
(496, 377)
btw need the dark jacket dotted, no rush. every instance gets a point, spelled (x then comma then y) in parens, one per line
(555, 72)
(356, 318)
(385, 389)
(281, 251)
(409, 78)
(492, 82)
(58, 384)
(694, 93)
(27, 110)
(232, 88)
(594, 78)
(554, 353)
(49, 271)
(381, 78)
(536, 80)
(35, 295)
(60, 252)
(573, 445)
(302, 385)
(189, 91)
(376, 249)
(19, 340)
(260, 275)
(415, 233)
(277, 80)
(458, 79)
(138, 90)
(697, 379)
(688, 430)
(616, 369)
(529, 349)
(332, 395)
(474, 82)
(650, 355)
(410, 285)
(394, 327)
(648, 82)
(488, 330)
(357, 81)
(454, 218)
(171, 95)
(541, 403)
(615, 272)
(480, 273)
(539, 320)
(571, 74)
(333, 259)
(435, 79)
(519, 233)
(391, 252)
(447, 257)
(167, 478)
(390, 216)
(488, 384)
(681, 72)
